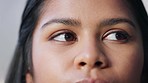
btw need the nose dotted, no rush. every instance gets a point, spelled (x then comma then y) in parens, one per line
(91, 56)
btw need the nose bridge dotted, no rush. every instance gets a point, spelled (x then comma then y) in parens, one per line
(90, 55)
(89, 43)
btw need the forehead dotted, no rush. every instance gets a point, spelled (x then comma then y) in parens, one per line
(92, 4)
(85, 9)
(82, 6)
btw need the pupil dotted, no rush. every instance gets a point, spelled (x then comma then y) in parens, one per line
(69, 37)
(121, 36)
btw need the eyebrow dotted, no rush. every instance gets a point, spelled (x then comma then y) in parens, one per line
(74, 22)
(114, 21)
(65, 21)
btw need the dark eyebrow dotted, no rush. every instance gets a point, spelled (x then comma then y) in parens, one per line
(65, 21)
(114, 21)
(73, 22)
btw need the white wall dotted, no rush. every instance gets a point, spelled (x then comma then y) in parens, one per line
(146, 4)
(10, 16)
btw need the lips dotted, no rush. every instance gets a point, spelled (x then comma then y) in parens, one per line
(89, 80)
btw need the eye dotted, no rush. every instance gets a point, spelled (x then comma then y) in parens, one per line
(117, 36)
(64, 37)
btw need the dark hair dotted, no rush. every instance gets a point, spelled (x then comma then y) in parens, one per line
(22, 57)
(22, 60)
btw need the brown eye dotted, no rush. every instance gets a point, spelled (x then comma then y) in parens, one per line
(65, 36)
(117, 36)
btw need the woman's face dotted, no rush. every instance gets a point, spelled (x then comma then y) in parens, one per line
(87, 41)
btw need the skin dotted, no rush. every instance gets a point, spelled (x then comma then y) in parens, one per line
(96, 50)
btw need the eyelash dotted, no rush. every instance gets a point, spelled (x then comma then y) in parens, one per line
(112, 35)
(67, 34)
(120, 35)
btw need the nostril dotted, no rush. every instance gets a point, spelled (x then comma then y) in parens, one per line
(98, 63)
(82, 63)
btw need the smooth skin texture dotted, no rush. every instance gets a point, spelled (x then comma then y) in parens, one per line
(86, 41)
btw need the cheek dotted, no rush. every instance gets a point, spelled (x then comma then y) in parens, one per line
(128, 62)
(52, 61)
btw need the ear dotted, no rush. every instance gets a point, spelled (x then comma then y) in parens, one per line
(29, 78)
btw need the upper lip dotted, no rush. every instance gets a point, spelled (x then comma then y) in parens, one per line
(89, 80)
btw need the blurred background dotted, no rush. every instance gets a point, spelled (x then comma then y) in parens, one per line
(10, 18)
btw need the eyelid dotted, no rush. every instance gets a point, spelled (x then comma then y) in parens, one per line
(56, 33)
(59, 32)
(115, 31)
